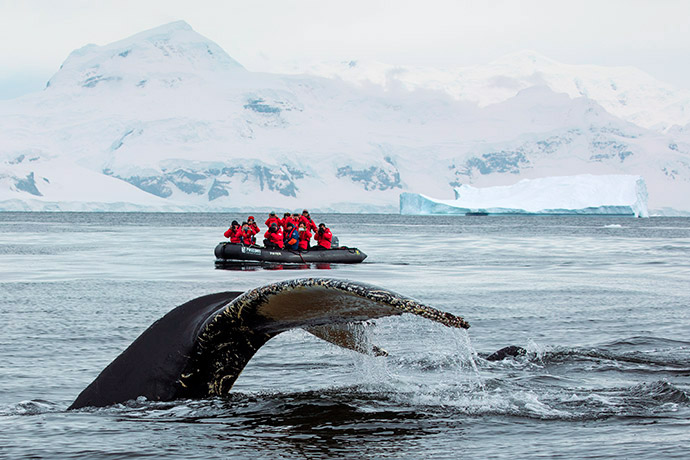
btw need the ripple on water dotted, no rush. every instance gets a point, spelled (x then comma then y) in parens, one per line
(601, 311)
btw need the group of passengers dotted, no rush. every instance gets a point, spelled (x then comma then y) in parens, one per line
(293, 231)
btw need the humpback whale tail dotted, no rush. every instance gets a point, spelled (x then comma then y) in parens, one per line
(200, 348)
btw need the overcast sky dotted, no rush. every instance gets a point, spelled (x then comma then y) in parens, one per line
(37, 35)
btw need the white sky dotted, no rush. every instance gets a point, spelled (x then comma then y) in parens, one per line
(37, 35)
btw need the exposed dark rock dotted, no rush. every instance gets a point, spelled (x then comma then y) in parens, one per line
(93, 81)
(498, 162)
(275, 178)
(259, 105)
(217, 190)
(28, 184)
(155, 185)
(373, 177)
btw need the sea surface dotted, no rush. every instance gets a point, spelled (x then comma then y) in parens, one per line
(602, 306)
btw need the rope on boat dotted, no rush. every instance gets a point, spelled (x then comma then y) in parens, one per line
(300, 256)
(298, 253)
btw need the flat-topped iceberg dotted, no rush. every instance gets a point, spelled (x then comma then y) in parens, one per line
(621, 195)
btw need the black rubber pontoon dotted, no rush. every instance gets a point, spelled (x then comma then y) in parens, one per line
(235, 252)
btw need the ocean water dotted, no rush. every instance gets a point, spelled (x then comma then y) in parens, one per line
(601, 304)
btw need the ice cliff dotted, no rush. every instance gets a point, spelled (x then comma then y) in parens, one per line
(582, 194)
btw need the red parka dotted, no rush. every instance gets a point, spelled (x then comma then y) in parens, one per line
(324, 239)
(273, 220)
(275, 237)
(233, 234)
(287, 220)
(246, 237)
(304, 237)
(308, 223)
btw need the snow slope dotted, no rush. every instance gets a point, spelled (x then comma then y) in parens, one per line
(584, 194)
(166, 120)
(626, 92)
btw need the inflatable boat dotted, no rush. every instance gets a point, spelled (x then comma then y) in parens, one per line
(234, 252)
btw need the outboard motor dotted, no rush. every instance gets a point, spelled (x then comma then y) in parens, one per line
(335, 243)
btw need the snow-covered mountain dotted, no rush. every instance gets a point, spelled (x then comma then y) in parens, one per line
(166, 120)
(626, 92)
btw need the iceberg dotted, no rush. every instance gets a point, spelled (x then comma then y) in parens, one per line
(585, 194)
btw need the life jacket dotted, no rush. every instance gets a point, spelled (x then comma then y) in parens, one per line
(291, 239)
(324, 239)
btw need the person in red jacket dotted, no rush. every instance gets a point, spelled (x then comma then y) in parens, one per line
(284, 222)
(307, 220)
(254, 227)
(233, 232)
(323, 237)
(246, 234)
(304, 237)
(273, 237)
(271, 219)
(287, 219)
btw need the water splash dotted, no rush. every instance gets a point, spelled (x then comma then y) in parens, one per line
(29, 407)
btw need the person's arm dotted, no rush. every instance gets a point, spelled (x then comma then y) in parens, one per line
(292, 239)
(236, 235)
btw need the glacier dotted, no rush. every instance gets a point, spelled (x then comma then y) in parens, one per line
(585, 194)
(166, 120)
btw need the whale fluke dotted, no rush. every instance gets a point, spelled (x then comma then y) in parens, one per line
(200, 348)
(348, 335)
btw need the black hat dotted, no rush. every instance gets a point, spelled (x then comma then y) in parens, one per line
(234, 222)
